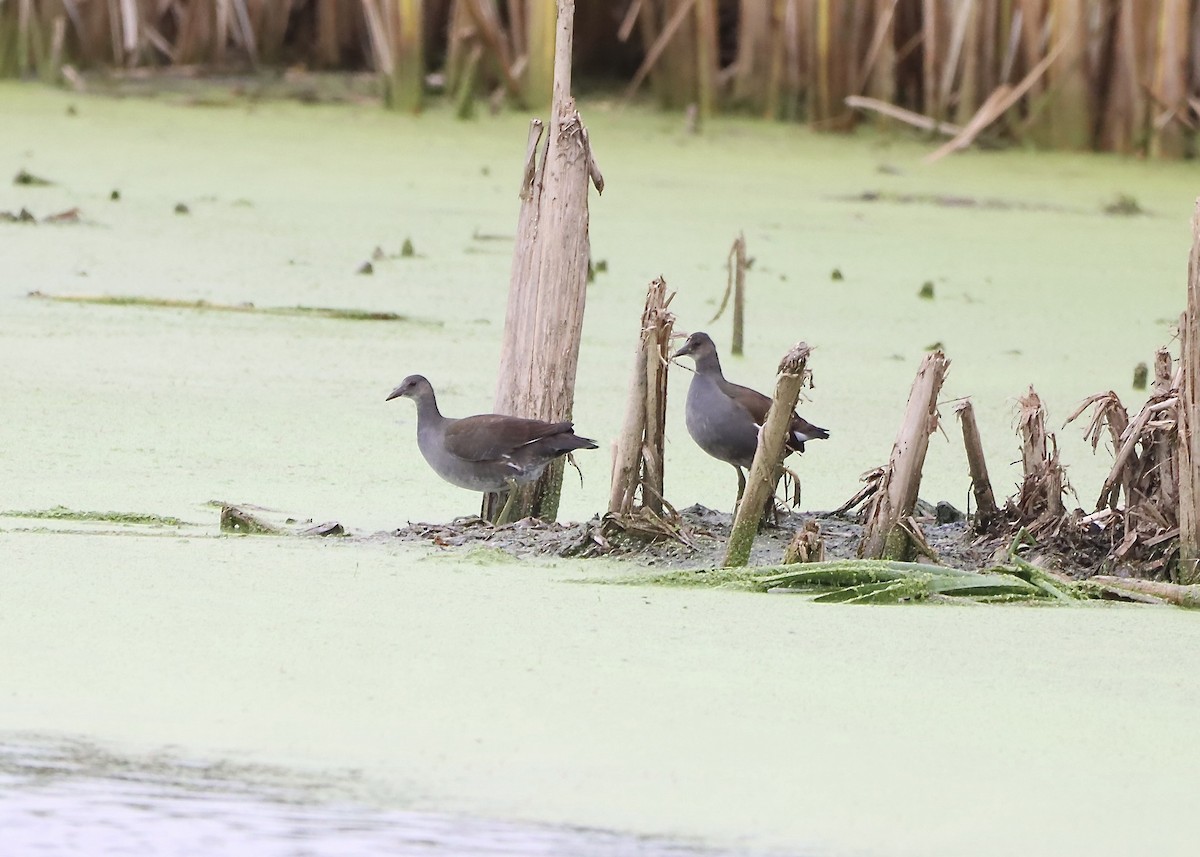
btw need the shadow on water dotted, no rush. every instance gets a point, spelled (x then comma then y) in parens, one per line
(71, 797)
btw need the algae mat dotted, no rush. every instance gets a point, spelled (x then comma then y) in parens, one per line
(287, 201)
(495, 690)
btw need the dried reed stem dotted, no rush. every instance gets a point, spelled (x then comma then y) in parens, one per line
(893, 503)
(638, 450)
(768, 456)
(1188, 439)
(986, 510)
(547, 291)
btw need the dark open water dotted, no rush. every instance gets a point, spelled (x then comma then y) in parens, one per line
(70, 797)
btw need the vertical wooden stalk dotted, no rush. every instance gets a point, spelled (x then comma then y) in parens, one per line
(1165, 443)
(738, 262)
(328, 47)
(1069, 116)
(981, 486)
(679, 63)
(992, 23)
(460, 38)
(638, 451)
(968, 83)
(8, 42)
(753, 54)
(1040, 500)
(540, 352)
(822, 102)
(768, 456)
(796, 53)
(650, 28)
(404, 86)
(1164, 371)
(706, 58)
(777, 54)
(897, 494)
(468, 77)
(1170, 85)
(882, 82)
(930, 58)
(518, 26)
(1123, 121)
(24, 22)
(1188, 436)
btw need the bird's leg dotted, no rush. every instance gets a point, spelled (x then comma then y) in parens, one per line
(772, 509)
(741, 490)
(502, 518)
(795, 477)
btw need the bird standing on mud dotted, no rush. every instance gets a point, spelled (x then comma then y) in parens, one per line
(725, 418)
(487, 452)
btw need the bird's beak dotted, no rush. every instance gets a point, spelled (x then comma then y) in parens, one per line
(684, 349)
(392, 395)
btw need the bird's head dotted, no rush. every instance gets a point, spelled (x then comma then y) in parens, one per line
(698, 345)
(413, 387)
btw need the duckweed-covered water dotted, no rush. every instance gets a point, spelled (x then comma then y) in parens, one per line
(477, 690)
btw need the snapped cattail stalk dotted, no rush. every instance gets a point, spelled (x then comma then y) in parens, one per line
(766, 468)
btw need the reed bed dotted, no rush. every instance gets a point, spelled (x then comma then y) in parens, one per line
(1111, 75)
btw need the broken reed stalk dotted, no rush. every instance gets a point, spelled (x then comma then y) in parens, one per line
(638, 450)
(996, 105)
(806, 545)
(885, 536)
(883, 108)
(738, 261)
(1172, 593)
(1163, 450)
(768, 455)
(1188, 437)
(1040, 501)
(1125, 438)
(735, 286)
(986, 510)
(1164, 371)
(548, 286)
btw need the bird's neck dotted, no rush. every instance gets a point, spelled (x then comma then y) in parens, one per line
(428, 414)
(709, 364)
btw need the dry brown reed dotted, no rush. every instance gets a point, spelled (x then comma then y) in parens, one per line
(1117, 75)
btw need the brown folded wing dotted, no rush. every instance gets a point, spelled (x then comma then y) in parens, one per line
(491, 436)
(757, 405)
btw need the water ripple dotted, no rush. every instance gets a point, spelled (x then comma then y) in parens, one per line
(60, 798)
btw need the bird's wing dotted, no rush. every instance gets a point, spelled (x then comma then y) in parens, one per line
(487, 437)
(757, 405)
(754, 402)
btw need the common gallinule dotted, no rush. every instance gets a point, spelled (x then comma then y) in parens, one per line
(724, 418)
(488, 452)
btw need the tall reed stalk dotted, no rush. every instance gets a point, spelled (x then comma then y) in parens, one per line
(1114, 75)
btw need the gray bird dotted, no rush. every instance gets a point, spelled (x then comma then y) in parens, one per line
(488, 452)
(725, 418)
